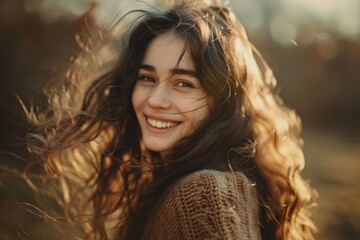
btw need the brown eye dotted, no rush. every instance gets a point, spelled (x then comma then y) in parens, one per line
(184, 84)
(146, 78)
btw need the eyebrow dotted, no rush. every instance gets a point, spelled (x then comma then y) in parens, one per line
(180, 71)
(147, 67)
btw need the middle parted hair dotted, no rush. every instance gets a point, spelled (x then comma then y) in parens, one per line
(217, 45)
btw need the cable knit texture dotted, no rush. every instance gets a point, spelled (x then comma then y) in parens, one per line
(207, 204)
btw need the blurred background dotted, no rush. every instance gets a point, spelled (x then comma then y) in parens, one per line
(313, 47)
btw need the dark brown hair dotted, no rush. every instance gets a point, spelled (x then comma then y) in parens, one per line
(109, 182)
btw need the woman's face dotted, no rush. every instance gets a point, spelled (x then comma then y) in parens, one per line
(168, 98)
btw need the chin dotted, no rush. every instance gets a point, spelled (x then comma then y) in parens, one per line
(153, 146)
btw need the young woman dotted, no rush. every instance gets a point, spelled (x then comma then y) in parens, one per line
(170, 129)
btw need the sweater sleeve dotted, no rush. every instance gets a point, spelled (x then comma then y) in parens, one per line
(207, 205)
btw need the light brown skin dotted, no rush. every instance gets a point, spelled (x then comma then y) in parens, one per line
(105, 169)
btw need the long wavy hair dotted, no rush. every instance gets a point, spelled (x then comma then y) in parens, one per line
(89, 141)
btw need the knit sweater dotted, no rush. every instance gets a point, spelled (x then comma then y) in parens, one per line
(207, 204)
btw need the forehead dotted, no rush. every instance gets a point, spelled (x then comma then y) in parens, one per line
(168, 50)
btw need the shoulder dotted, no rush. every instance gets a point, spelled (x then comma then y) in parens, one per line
(216, 180)
(220, 190)
(211, 204)
(213, 183)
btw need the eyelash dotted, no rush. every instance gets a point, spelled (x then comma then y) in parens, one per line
(186, 83)
(179, 83)
(146, 78)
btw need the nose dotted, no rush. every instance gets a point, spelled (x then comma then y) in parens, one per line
(159, 97)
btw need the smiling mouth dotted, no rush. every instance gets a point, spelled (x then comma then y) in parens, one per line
(161, 124)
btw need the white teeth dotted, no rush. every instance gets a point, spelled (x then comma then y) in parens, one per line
(160, 124)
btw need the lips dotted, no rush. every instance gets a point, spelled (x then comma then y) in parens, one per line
(161, 124)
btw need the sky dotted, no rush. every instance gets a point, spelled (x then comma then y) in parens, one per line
(301, 21)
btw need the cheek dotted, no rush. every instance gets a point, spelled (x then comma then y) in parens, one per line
(198, 116)
(199, 110)
(137, 98)
(205, 111)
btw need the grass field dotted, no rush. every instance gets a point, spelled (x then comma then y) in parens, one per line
(332, 167)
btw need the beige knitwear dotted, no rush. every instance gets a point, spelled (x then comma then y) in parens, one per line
(207, 204)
